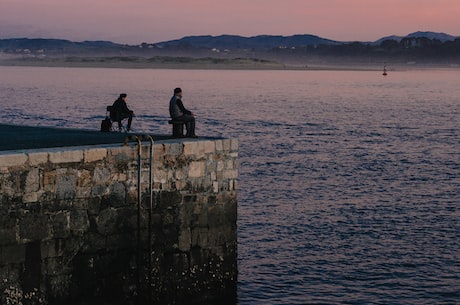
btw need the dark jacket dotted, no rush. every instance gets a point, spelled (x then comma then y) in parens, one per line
(176, 107)
(119, 108)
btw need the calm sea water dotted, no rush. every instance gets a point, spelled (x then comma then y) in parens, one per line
(349, 186)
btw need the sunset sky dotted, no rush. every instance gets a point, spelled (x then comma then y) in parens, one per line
(137, 21)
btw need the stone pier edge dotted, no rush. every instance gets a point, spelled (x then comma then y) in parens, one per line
(77, 204)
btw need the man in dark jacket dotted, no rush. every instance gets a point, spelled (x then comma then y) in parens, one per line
(120, 111)
(178, 112)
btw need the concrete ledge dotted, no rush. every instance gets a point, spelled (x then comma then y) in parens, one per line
(15, 137)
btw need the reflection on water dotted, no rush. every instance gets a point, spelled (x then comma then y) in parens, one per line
(349, 181)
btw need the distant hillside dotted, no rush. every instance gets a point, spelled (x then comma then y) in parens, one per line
(271, 41)
(42, 43)
(240, 42)
(430, 35)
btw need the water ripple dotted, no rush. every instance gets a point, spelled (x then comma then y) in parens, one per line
(349, 182)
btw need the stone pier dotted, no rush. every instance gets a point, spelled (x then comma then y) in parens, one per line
(78, 227)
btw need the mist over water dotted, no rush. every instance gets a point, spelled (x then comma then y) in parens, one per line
(349, 182)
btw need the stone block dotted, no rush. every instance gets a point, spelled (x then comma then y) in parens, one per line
(61, 224)
(197, 169)
(32, 180)
(200, 237)
(101, 175)
(33, 227)
(194, 148)
(173, 149)
(234, 145)
(30, 197)
(158, 151)
(179, 174)
(219, 145)
(79, 222)
(106, 221)
(231, 185)
(7, 160)
(49, 181)
(96, 154)
(220, 165)
(38, 158)
(66, 187)
(123, 155)
(230, 174)
(117, 194)
(84, 178)
(229, 164)
(185, 239)
(226, 144)
(7, 228)
(209, 147)
(99, 190)
(160, 176)
(83, 192)
(120, 177)
(67, 156)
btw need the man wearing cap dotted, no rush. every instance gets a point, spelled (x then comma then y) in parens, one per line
(178, 112)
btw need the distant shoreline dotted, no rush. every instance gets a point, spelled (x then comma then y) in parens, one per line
(185, 63)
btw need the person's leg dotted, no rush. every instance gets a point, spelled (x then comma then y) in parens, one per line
(189, 124)
(130, 119)
(192, 127)
(119, 119)
(123, 116)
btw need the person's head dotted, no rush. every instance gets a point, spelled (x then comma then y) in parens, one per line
(178, 91)
(123, 96)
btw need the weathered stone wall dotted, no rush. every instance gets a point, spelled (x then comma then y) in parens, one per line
(71, 224)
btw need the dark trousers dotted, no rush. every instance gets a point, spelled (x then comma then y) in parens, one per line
(189, 124)
(122, 116)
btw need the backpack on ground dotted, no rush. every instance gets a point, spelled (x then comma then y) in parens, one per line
(106, 124)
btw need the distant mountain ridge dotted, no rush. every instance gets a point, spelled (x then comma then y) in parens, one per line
(45, 43)
(272, 41)
(206, 41)
(289, 50)
(430, 35)
(241, 42)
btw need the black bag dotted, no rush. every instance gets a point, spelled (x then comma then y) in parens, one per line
(106, 124)
(112, 112)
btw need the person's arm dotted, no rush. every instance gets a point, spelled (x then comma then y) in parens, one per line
(182, 108)
(124, 108)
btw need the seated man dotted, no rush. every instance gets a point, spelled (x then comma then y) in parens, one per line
(120, 111)
(178, 112)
